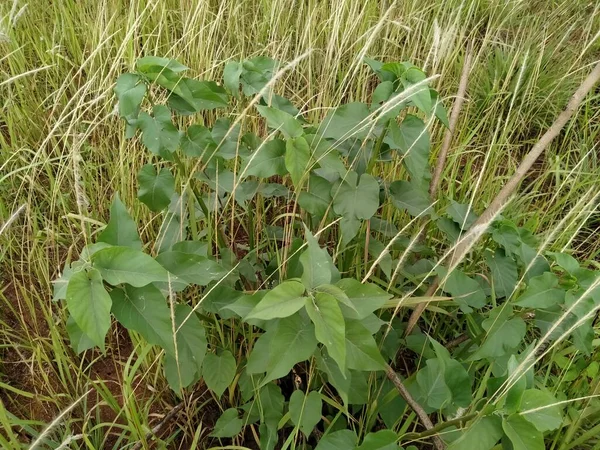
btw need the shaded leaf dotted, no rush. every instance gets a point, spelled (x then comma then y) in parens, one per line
(219, 371)
(305, 411)
(228, 425)
(522, 434)
(408, 196)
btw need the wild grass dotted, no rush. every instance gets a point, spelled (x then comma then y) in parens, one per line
(63, 154)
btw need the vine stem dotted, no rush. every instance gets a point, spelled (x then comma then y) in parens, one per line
(418, 409)
(503, 197)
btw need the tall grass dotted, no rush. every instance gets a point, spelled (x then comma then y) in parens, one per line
(63, 154)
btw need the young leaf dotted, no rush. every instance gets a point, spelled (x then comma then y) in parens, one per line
(286, 342)
(191, 268)
(130, 92)
(504, 273)
(330, 328)
(268, 160)
(542, 292)
(338, 440)
(228, 425)
(522, 434)
(155, 189)
(540, 408)
(365, 298)
(89, 305)
(305, 411)
(409, 196)
(482, 434)
(145, 311)
(297, 159)
(318, 267)
(282, 301)
(282, 121)
(79, 340)
(380, 440)
(362, 351)
(159, 134)
(121, 229)
(119, 265)
(219, 371)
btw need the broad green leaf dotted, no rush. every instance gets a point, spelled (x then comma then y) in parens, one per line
(422, 96)
(228, 425)
(346, 121)
(155, 189)
(338, 440)
(542, 292)
(522, 434)
(515, 393)
(482, 434)
(411, 197)
(119, 265)
(130, 91)
(283, 104)
(455, 375)
(282, 121)
(231, 77)
(144, 310)
(152, 65)
(340, 379)
(465, 291)
(227, 138)
(462, 214)
(198, 142)
(330, 328)
(79, 340)
(439, 109)
(318, 267)
(504, 334)
(504, 273)
(184, 368)
(362, 352)
(159, 134)
(382, 93)
(121, 229)
(366, 298)
(268, 435)
(244, 305)
(271, 403)
(199, 248)
(268, 160)
(89, 305)
(433, 385)
(282, 301)
(219, 371)
(411, 138)
(191, 268)
(380, 440)
(286, 342)
(191, 96)
(540, 408)
(297, 159)
(59, 286)
(566, 261)
(355, 200)
(305, 411)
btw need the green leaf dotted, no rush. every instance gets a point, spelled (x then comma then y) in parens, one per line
(191, 268)
(515, 393)
(119, 265)
(542, 292)
(282, 301)
(362, 351)
(268, 160)
(540, 408)
(409, 196)
(145, 311)
(355, 200)
(455, 375)
(297, 159)
(346, 121)
(432, 384)
(282, 121)
(271, 403)
(380, 440)
(439, 109)
(283, 104)
(228, 425)
(130, 91)
(522, 434)
(268, 435)
(159, 135)
(79, 340)
(305, 411)
(286, 342)
(462, 214)
(504, 273)
(183, 368)
(482, 434)
(318, 198)
(366, 298)
(412, 139)
(219, 371)
(155, 189)
(503, 335)
(198, 142)
(121, 229)
(318, 267)
(89, 305)
(566, 261)
(330, 327)
(338, 440)
(191, 96)
(466, 291)
(151, 66)
(231, 77)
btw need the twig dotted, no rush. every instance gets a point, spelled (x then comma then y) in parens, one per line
(157, 429)
(418, 409)
(509, 188)
(457, 341)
